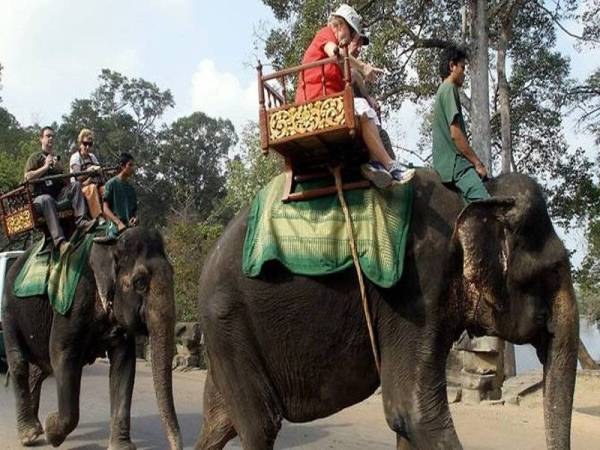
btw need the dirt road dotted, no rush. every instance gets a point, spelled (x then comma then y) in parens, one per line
(360, 427)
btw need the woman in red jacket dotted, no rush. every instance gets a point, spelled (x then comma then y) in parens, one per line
(343, 25)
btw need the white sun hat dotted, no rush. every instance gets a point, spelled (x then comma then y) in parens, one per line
(349, 14)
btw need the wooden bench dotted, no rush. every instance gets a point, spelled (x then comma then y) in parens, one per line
(312, 137)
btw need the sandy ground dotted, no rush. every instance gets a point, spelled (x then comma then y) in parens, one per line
(360, 427)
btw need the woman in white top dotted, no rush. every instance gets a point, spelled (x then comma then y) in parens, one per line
(81, 161)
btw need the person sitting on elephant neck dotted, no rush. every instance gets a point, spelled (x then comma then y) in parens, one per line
(120, 200)
(360, 90)
(47, 193)
(453, 158)
(84, 160)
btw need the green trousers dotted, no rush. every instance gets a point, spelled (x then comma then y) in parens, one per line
(470, 185)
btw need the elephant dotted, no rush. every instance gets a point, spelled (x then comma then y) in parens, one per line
(286, 346)
(125, 290)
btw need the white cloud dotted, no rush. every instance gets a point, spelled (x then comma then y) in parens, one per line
(222, 94)
(53, 50)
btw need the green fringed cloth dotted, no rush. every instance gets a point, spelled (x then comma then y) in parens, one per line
(45, 272)
(310, 237)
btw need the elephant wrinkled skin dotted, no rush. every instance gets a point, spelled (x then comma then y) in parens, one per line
(125, 290)
(283, 346)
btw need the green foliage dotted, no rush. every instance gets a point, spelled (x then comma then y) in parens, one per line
(187, 245)
(191, 161)
(588, 276)
(249, 171)
(12, 163)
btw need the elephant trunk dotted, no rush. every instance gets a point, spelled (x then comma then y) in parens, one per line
(160, 321)
(560, 365)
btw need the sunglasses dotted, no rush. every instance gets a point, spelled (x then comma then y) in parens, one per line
(87, 144)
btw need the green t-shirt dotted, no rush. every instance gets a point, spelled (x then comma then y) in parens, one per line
(121, 198)
(448, 161)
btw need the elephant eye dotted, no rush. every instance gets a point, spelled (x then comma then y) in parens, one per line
(140, 284)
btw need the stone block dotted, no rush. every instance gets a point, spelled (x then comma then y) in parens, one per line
(471, 396)
(476, 381)
(483, 344)
(454, 394)
(480, 363)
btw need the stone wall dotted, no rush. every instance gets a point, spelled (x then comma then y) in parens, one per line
(189, 344)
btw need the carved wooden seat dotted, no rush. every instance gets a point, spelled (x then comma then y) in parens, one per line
(313, 136)
(20, 215)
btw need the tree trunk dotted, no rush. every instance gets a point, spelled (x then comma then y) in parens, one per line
(504, 96)
(585, 359)
(479, 61)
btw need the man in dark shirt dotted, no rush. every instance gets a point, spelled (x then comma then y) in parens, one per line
(48, 193)
(453, 158)
(119, 199)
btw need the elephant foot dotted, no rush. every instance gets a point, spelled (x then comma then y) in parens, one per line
(28, 435)
(54, 434)
(122, 445)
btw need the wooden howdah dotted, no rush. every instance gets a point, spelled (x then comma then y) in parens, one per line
(18, 214)
(312, 137)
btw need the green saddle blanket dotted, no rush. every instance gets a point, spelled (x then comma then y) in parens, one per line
(310, 237)
(46, 272)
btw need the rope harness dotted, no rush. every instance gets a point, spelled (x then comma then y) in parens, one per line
(337, 172)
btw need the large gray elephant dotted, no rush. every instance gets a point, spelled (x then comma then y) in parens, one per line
(291, 347)
(125, 290)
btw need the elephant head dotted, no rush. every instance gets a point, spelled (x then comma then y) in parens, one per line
(134, 280)
(515, 283)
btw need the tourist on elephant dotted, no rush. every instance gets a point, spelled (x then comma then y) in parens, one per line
(81, 160)
(342, 26)
(119, 198)
(453, 158)
(359, 86)
(46, 194)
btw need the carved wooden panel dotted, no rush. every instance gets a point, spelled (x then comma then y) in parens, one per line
(19, 222)
(307, 118)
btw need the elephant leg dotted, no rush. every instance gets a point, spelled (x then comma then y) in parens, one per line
(252, 402)
(36, 378)
(122, 375)
(217, 427)
(417, 407)
(29, 427)
(67, 368)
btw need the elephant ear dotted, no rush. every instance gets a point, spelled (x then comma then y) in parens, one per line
(481, 232)
(103, 264)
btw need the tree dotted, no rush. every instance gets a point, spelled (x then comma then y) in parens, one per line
(586, 97)
(123, 114)
(249, 171)
(192, 156)
(187, 244)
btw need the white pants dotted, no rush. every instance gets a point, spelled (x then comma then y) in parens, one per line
(362, 107)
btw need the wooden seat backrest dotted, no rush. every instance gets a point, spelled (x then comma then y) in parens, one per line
(312, 133)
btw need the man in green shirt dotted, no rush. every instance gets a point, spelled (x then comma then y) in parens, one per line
(453, 158)
(119, 198)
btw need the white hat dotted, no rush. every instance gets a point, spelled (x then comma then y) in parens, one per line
(349, 14)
